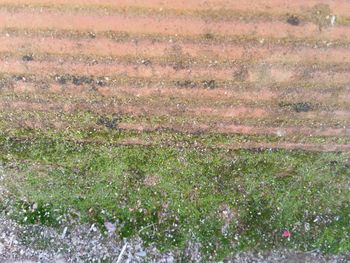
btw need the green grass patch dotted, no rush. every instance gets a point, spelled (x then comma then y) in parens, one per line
(225, 200)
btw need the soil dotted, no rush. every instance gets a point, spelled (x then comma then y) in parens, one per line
(272, 6)
(167, 25)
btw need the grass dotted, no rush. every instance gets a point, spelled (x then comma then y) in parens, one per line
(225, 200)
(89, 128)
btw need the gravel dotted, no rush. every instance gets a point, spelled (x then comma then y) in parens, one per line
(76, 243)
(86, 243)
(287, 257)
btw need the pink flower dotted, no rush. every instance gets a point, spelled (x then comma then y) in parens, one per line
(286, 234)
(111, 228)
